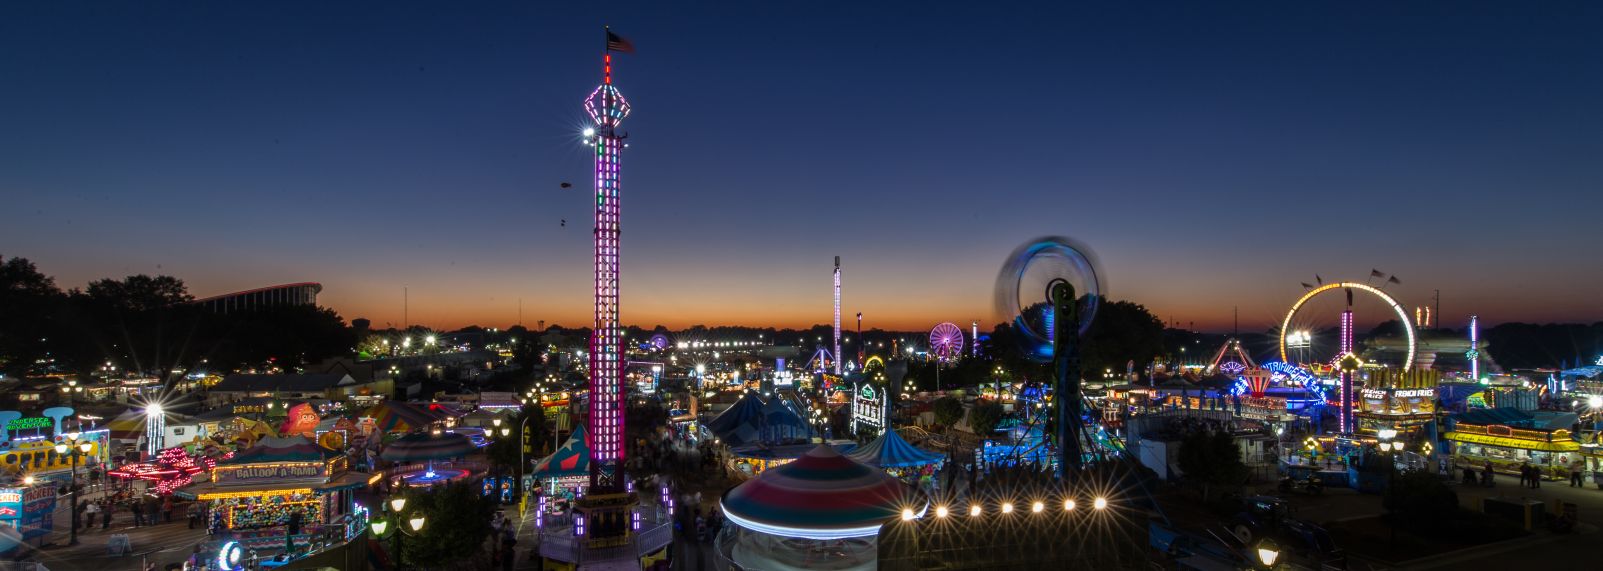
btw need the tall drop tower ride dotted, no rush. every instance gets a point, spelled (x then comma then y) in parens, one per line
(607, 503)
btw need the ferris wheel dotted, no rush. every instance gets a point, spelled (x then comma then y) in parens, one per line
(1296, 342)
(946, 341)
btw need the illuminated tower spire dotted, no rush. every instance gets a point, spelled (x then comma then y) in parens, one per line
(1348, 371)
(837, 316)
(1474, 353)
(607, 108)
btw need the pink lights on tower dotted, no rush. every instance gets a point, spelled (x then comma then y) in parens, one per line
(837, 317)
(607, 108)
(1347, 375)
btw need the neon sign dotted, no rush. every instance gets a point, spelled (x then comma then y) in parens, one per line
(30, 422)
(868, 408)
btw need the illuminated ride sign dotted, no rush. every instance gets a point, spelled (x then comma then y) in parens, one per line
(868, 407)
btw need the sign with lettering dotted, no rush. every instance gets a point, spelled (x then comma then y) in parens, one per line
(248, 409)
(254, 473)
(30, 422)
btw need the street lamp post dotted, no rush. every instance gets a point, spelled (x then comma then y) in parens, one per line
(396, 505)
(1387, 446)
(71, 447)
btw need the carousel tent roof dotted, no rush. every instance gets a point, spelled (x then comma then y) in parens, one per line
(747, 408)
(423, 446)
(891, 451)
(821, 495)
(572, 459)
(274, 449)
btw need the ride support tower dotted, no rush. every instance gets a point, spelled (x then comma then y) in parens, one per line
(606, 505)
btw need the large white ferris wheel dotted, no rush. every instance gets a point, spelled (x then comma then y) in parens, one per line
(1402, 316)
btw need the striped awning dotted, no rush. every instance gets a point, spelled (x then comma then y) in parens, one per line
(1519, 443)
(821, 495)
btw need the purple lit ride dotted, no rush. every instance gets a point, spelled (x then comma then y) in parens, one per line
(946, 341)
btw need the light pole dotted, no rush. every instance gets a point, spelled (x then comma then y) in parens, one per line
(396, 505)
(1386, 447)
(70, 390)
(71, 447)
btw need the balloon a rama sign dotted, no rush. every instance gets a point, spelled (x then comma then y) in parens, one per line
(270, 472)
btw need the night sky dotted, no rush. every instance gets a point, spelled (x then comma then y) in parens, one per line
(1215, 154)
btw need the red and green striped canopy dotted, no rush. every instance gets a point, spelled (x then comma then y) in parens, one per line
(821, 495)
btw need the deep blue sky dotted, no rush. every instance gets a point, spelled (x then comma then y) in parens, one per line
(1215, 154)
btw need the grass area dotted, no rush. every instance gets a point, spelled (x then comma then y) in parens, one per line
(1373, 537)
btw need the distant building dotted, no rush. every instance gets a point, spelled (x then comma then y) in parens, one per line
(304, 293)
(331, 386)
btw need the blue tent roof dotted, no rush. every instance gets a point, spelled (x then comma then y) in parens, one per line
(745, 410)
(891, 451)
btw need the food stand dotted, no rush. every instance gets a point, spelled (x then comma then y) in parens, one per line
(1509, 438)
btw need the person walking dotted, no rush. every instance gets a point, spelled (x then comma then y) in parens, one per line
(509, 548)
(90, 510)
(167, 509)
(1576, 466)
(1536, 477)
(138, 507)
(193, 513)
(1525, 475)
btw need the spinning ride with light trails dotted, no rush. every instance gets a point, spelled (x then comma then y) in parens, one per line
(1048, 290)
(946, 342)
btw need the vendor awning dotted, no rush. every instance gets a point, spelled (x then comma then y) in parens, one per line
(1519, 443)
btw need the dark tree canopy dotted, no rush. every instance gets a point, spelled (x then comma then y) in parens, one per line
(1210, 458)
(984, 417)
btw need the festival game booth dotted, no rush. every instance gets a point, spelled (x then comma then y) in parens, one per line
(822, 511)
(254, 494)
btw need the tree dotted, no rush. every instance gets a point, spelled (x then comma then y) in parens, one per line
(1122, 332)
(28, 303)
(1211, 458)
(139, 293)
(456, 522)
(947, 411)
(984, 417)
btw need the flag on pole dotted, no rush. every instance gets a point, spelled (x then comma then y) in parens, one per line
(1374, 273)
(1394, 280)
(1319, 280)
(1306, 285)
(617, 43)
